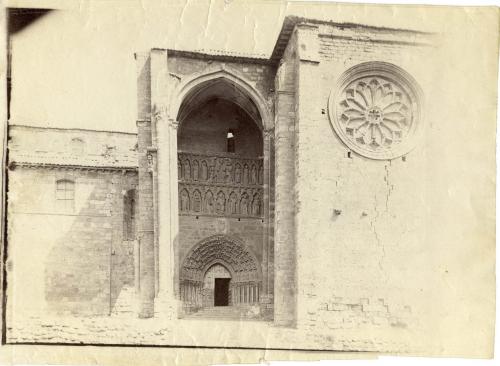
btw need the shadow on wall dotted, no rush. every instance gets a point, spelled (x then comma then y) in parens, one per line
(88, 267)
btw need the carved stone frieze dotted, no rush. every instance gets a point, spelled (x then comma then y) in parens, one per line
(220, 186)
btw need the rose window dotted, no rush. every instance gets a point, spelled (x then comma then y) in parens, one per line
(376, 114)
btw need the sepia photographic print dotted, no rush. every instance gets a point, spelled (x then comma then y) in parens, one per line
(197, 182)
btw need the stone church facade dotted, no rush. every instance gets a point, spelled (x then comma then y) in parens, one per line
(252, 183)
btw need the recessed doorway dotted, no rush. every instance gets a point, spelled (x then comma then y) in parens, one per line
(221, 291)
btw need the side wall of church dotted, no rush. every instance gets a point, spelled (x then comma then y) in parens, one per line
(75, 230)
(359, 220)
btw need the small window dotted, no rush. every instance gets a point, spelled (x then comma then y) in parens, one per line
(230, 141)
(65, 194)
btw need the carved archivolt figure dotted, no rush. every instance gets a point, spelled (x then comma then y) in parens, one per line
(244, 204)
(196, 201)
(184, 200)
(220, 203)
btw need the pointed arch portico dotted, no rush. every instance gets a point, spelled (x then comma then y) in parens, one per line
(171, 100)
(217, 73)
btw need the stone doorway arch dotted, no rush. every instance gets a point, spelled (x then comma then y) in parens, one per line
(214, 252)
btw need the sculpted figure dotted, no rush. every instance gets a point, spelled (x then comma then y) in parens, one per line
(196, 201)
(220, 203)
(253, 175)
(196, 170)
(211, 174)
(256, 205)
(184, 201)
(244, 204)
(233, 203)
(187, 170)
(237, 173)
(228, 170)
(204, 170)
(245, 174)
(209, 202)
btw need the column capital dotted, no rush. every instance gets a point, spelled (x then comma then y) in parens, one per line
(159, 113)
(269, 133)
(173, 123)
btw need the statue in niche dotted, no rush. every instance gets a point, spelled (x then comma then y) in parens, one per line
(187, 170)
(184, 200)
(179, 169)
(244, 204)
(220, 204)
(237, 173)
(253, 175)
(228, 170)
(196, 170)
(233, 203)
(256, 205)
(219, 173)
(209, 202)
(261, 175)
(204, 170)
(245, 174)
(196, 201)
(211, 173)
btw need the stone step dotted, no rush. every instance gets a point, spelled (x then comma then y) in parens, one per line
(227, 312)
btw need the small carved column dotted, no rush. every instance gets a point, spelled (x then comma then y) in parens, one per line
(167, 207)
(267, 270)
(174, 204)
(146, 222)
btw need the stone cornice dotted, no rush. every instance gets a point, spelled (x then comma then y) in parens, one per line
(14, 165)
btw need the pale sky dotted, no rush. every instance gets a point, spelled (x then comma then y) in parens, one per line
(75, 67)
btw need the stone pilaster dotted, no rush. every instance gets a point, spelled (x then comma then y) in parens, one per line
(165, 141)
(285, 257)
(145, 222)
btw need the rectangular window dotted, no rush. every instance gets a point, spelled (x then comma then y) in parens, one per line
(65, 194)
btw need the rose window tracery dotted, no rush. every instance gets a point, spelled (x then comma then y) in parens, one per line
(376, 112)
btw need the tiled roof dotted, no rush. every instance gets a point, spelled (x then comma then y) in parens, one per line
(66, 159)
(220, 54)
